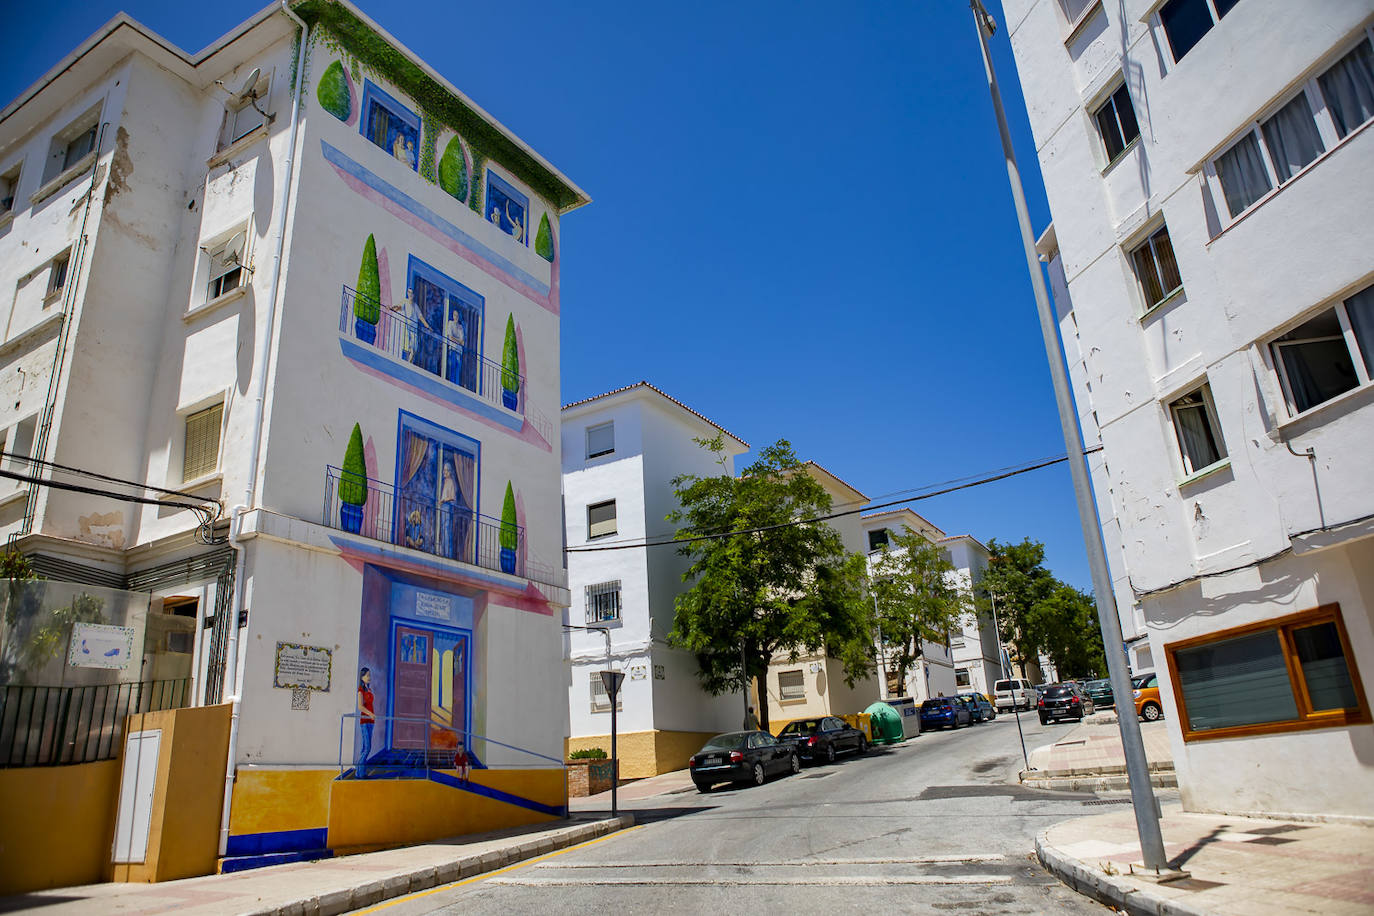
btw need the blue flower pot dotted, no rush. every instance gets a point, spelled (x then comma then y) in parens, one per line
(365, 331)
(351, 517)
(510, 398)
(507, 561)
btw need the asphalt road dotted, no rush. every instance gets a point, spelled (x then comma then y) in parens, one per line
(930, 826)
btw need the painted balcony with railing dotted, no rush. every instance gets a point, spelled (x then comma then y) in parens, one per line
(445, 362)
(455, 533)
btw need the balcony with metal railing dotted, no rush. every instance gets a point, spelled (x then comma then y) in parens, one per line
(450, 365)
(453, 533)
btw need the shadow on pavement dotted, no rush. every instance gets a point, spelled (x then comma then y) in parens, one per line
(653, 815)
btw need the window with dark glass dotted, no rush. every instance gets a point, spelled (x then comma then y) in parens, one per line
(1187, 21)
(1116, 122)
(1294, 672)
(1348, 88)
(601, 519)
(1328, 354)
(1156, 268)
(877, 539)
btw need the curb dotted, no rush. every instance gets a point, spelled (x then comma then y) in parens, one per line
(370, 893)
(1165, 779)
(1113, 891)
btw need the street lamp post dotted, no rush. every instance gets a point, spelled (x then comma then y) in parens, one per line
(1137, 768)
(1002, 665)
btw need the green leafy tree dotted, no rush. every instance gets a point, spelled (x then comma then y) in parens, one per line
(453, 170)
(509, 535)
(333, 92)
(917, 599)
(543, 239)
(1013, 584)
(367, 305)
(1068, 623)
(353, 479)
(510, 359)
(758, 593)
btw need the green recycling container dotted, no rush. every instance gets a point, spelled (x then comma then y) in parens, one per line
(886, 723)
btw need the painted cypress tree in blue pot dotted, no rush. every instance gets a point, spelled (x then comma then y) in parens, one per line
(367, 304)
(510, 533)
(510, 368)
(353, 483)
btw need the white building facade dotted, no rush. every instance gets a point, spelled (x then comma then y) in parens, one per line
(621, 451)
(295, 278)
(1207, 164)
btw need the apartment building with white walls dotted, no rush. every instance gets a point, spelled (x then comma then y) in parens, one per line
(301, 274)
(621, 451)
(1207, 166)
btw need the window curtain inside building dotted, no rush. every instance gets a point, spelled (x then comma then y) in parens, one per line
(1240, 681)
(1244, 178)
(1360, 309)
(1349, 89)
(1195, 436)
(417, 450)
(1292, 138)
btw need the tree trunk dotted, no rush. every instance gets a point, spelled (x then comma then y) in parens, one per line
(759, 664)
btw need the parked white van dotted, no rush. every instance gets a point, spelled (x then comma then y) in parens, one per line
(1015, 693)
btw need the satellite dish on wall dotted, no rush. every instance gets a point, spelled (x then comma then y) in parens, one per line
(249, 84)
(233, 251)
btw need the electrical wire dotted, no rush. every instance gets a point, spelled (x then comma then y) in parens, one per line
(710, 536)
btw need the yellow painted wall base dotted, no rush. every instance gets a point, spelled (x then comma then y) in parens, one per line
(58, 825)
(644, 754)
(373, 813)
(269, 801)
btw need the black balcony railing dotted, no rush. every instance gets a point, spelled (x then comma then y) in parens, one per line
(453, 533)
(47, 726)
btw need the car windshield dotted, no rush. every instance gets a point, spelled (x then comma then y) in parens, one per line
(935, 704)
(1003, 685)
(1060, 691)
(801, 727)
(1140, 680)
(730, 742)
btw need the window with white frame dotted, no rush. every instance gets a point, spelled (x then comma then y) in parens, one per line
(57, 277)
(877, 539)
(603, 602)
(1196, 428)
(1185, 22)
(792, 684)
(200, 454)
(227, 271)
(72, 144)
(18, 445)
(1328, 354)
(601, 439)
(1279, 145)
(1116, 123)
(601, 519)
(961, 678)
(1156, 269)
(601, 700)
(245, 114)
(9, 187)
(1074, 9)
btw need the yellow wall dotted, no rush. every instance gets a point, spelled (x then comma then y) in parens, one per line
(267, 801)
(58, 825)
(372, 813)
(183, 836)
(645, 753)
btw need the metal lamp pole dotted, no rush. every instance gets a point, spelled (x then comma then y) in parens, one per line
(1002, 665)
(1137, 768)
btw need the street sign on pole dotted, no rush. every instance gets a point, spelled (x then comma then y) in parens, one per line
(611, 680)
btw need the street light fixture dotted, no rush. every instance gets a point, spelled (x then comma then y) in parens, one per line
(1118, 667)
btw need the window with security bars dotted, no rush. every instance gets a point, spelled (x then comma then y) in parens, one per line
(792, 685)
(601, 700)
(201, 455)
(603, 602)
(1156, 268)
(601, 519)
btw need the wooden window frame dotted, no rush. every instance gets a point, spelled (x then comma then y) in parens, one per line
(1308, 718)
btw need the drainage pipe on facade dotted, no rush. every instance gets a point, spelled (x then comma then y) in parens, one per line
(1311, 455)
(259, 396)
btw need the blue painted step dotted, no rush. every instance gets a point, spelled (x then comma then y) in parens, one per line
(244, 863)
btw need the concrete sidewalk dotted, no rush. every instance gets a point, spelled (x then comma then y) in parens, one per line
(662, 784)
(1090, 758)
(324, 887)
(1236, 866)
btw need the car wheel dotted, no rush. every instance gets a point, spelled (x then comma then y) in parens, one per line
(830, 753)
(1151, 712)
(863, 745)
(758, 774)
(703, 787)
(796, 764)
(1044, 720)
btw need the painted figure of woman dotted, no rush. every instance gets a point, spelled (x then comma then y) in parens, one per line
(366, 720)
(457, 339)
(398, 147)
(448, 510)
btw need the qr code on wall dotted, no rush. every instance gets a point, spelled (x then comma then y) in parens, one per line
(300, 698)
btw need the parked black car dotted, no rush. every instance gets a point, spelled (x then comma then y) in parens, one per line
(742, 757)
(823, 738)
(1101, 692)
(979, 707)
(1064, 701)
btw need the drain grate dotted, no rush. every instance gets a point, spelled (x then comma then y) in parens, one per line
(1109, 801)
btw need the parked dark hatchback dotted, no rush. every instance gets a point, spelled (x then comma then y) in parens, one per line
(741, 757)
(944, 711)
(1064, 701)
(1101, 692)
(823, 738)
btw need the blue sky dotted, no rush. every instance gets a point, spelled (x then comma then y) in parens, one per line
(800, 223)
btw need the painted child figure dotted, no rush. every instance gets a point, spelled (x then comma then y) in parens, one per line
(460, 762)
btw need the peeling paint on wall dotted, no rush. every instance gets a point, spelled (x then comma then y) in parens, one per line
(121, 166)
(105, 529)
